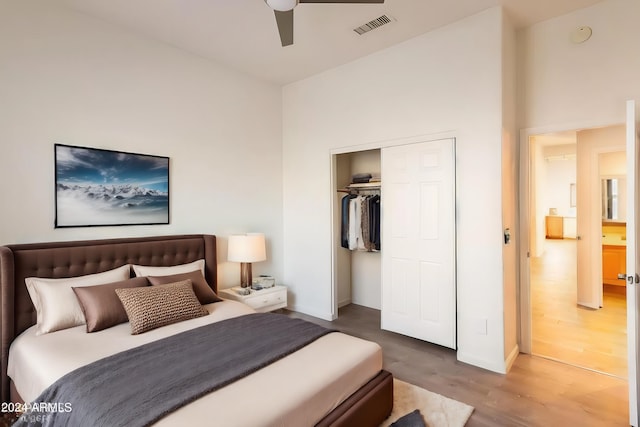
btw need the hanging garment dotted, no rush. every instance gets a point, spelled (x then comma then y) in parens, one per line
(360, 223)
(364, 224)
(374, 221)
(363, 217)
(354, 223)
(344, 231)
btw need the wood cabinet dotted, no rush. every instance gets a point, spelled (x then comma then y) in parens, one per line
(614, 262)
(554, 227)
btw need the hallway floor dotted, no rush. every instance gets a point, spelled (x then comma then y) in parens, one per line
(564, 331)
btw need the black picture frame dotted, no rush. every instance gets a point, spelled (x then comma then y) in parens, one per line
(95, 187)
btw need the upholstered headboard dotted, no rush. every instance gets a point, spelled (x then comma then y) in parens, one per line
(78, 258)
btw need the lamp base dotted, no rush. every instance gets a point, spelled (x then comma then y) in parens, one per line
(245, 275)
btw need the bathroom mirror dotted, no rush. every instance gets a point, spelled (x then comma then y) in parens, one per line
(614, 199)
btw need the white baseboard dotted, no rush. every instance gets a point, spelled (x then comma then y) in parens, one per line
(512, 357)
(344, 302)
(500, 368)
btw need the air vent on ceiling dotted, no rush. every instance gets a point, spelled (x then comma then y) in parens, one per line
(372, 25)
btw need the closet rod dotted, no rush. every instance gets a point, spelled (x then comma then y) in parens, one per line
(352, 189)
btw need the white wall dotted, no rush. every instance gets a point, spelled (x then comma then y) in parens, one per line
(448, 81)
(537, 228)
(614, 164)
(68, 78)
(560, 172)
(366, 269)
(570, 86)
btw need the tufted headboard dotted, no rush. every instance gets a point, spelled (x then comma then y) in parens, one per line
(78, 258)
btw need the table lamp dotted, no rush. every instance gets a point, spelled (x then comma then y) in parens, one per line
(245, 249)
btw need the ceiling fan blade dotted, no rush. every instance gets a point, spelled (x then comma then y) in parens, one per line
(285, 26)
(341, 1)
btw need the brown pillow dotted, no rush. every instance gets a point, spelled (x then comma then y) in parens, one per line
(200, 286)
(154, 306)
(101, 306)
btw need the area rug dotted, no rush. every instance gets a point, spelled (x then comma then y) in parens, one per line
(437, 410)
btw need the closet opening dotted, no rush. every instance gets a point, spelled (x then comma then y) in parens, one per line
(410, 280)
(356, 224)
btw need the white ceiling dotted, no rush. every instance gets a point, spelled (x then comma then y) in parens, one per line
(242, 34)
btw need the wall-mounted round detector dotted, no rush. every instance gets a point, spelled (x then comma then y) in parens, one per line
(581, 34)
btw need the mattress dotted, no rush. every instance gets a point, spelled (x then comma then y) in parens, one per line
(297, 390)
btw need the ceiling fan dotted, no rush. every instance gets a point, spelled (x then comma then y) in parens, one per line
(283, 10)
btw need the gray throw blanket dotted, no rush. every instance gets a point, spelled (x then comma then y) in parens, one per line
(139, 386)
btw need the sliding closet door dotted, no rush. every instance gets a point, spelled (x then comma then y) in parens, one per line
(418, 241)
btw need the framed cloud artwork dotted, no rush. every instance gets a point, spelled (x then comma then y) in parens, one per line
(96, 187)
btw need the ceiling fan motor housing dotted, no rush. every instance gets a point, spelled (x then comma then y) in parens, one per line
(282, 5)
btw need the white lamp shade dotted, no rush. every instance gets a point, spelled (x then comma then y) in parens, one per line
(282, 5)
(247, 248)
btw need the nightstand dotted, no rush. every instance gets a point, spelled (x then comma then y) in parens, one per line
(264, 300)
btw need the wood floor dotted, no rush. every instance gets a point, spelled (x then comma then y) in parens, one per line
(536, 392)
(562, 330)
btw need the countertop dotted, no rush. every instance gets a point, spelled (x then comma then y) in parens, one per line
(614, 240)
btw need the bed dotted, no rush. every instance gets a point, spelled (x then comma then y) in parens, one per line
(282, 393)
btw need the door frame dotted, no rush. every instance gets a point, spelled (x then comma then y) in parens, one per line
(524, 294)
(633, 364)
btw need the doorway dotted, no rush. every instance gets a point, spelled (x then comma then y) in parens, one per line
(357, 269)
(577, 317)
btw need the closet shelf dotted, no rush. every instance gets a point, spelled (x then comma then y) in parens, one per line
(360, 186)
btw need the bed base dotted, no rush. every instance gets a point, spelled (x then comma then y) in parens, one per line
(367, 407)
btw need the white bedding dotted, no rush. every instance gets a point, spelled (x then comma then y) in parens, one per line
(297, 390)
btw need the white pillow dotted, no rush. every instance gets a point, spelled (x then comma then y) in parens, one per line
(56, 304)
(145, 270)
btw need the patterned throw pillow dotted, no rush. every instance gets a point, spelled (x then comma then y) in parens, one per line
(151, 307)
